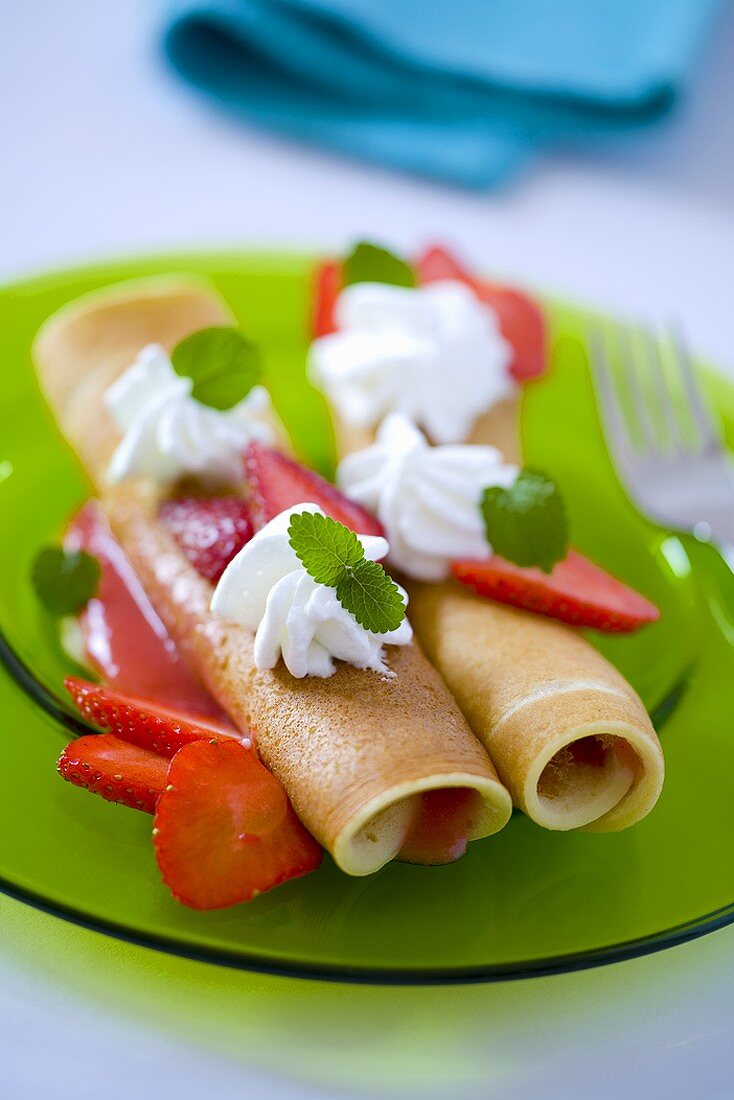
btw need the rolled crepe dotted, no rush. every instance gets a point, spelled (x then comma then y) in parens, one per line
(570, 738)
(355, 752)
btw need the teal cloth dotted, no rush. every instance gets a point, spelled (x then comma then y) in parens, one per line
(459, 90)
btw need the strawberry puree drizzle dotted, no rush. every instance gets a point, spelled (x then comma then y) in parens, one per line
(125, 640)
(441, 831)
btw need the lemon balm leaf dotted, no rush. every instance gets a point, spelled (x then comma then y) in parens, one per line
(369, 263)
(527, 523)
(372, 597)
(325, 548)
(334, 556)
(222, 363)
(64, 582)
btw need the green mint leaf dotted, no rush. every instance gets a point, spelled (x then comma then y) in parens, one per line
(368, 263)
(372, 597)
(325, 548)
(222, 363)
(334, 556)
(64, 582)
(527, 523)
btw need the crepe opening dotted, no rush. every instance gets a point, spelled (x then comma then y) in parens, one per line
(597, 777)
(376, 835)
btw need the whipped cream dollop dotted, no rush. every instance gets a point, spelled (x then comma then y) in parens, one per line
(434, 353)
(266, 589)
(167, 433)
(427, 498)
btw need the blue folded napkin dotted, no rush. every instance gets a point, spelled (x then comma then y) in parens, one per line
(460, 90)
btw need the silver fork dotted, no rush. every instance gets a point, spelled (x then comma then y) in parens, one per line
(677, 474)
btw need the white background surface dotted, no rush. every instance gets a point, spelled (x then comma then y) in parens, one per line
(104, 153)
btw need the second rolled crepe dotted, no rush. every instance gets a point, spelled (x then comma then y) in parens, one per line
(356, 751)
(568, 735)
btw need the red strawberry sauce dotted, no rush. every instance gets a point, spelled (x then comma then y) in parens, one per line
(125, 640)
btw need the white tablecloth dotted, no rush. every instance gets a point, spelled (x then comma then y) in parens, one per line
(104, 153)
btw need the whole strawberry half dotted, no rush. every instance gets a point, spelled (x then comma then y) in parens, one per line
(276, 482)
(576, 591)
(224, 828)
(209, 530)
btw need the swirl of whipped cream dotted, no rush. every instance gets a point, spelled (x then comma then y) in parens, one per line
(427, 498)
(167, 434)
(266, 589)
(434, 353)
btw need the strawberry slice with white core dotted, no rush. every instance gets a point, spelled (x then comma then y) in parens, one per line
(576, 592)
(209, 530)
(141, 722)
(224, 828)
(276, 482)
(115, 769)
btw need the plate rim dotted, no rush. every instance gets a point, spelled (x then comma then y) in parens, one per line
(19, 674)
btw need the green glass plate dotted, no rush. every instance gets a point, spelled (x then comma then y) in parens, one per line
(524, 902)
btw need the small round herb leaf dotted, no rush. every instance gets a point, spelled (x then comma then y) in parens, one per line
(368, 263)
(64, 582)
(372, 597)
(334, 556)
(527, 523)
(325, 548)
(222, 363)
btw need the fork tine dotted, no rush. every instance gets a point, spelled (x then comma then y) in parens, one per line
(662, 391)
(610, 411)
(639, 401)
(707, 434)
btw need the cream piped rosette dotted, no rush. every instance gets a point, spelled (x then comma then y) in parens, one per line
(168, 435)
(432, 353)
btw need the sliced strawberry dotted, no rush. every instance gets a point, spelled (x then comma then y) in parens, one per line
(276, 482)
(437, 263)
(224, 828)
(124, 639)
(141, 722)
(327, 285)
(209, 530)
(115, 769)
(523, 326)
(520, 319)
(576, 592)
